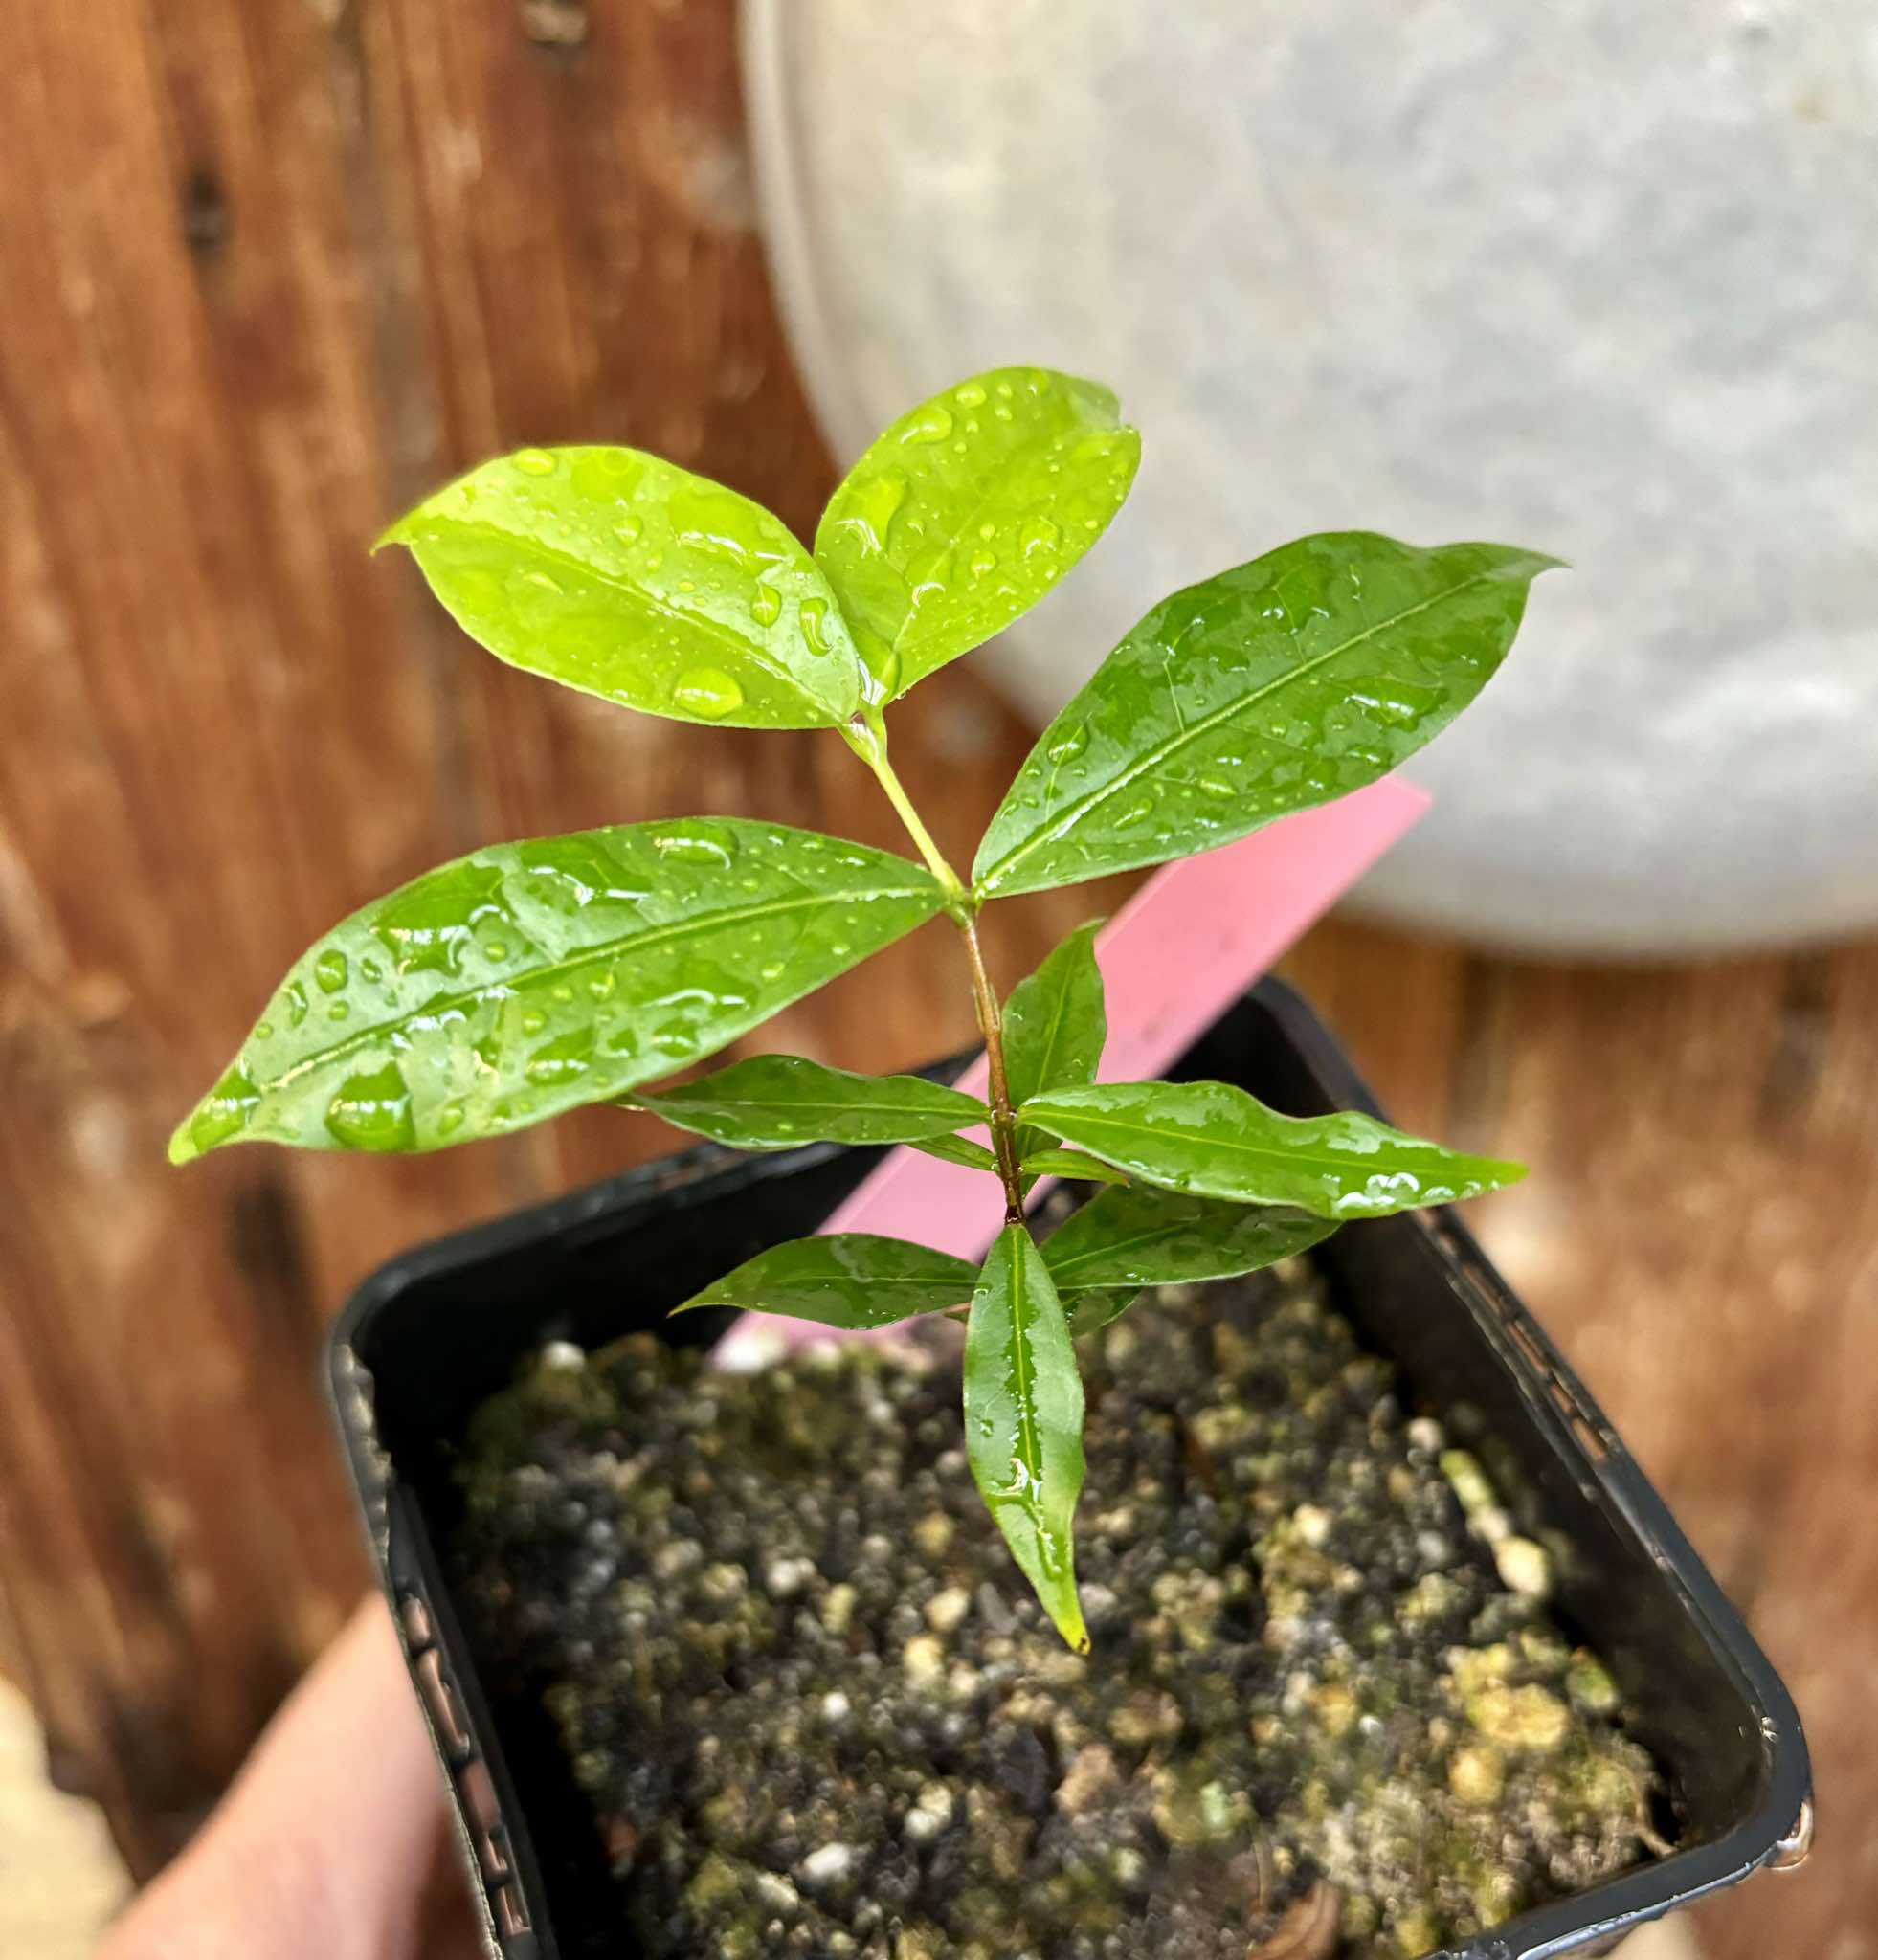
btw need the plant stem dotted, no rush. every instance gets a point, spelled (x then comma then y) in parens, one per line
(867, 736)
(1004, 1122)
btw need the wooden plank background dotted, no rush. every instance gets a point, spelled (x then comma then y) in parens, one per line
(270, 272)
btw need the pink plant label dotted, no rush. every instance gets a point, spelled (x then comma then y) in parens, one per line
(1195, 937)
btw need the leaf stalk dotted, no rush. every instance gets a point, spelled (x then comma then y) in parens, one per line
(867, 736)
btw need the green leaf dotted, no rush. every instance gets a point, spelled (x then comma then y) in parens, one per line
(959, 1150)
(620, 573)
(1048, 1163)
(1023, 1420)
(527, 978)
(968, 511)
(1213, 1140)
(1055, 1024)
(844, 1280)
(1282, 684)
(1086, 1312)
(776, 1101)
(1141, 1237)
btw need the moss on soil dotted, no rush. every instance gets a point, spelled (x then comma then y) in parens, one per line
(817, 1714)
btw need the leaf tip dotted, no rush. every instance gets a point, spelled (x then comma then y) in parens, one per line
(183, 1145)
(1068, 1619)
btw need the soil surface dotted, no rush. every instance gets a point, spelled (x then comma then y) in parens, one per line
(817, 1713)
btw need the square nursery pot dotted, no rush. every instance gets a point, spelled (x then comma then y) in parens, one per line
(431, 1335)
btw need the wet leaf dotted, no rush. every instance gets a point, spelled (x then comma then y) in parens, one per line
(965, 512)
(1213, 1140)
(527, 978)
(621, 574)
(1023, 1420)
(959, 1150)
(1049, 1162)
(1086, 1312)
(1141, 1237)
(1282, 684)
(776, 1101)
(855, 1279)
(1055, 1024)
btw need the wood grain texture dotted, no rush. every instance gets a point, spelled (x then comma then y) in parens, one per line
(271, 271)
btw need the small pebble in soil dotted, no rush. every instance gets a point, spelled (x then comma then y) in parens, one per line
(818, 1712)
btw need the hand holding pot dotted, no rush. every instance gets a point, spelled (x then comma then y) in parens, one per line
(332, 1843)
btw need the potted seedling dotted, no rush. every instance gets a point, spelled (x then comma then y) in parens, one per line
(791, 1658)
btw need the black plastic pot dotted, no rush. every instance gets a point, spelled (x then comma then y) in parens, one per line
(429, 1335)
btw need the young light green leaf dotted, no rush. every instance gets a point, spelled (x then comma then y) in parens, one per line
(1023, 1420)
(1086, 1312)
(1055, 1024)
(1078, 1163)
(959, 1150)
(776, 1101)
(527, 978)
(967, 511)
(621, 574)
(1141, 1237)
(853, 1280)
(1213, 1140)
(1282, 684)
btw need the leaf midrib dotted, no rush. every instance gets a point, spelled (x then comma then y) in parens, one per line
(651, 939)
(710, 627)
(1153, 758)
(1032, 1499)
(1065, 1270)
(703, 1106)
(1028, 455)
(1283, 1153)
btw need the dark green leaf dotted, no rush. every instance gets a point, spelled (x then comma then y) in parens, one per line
(530, 977)
(614, 571)
(1023, 1420)
(1141, 1237)
(1048, 1163)
(775, 1102)
(1285, 682)
(959, 1150)
(968, 511)
(1216, 1141)
(1086, 1312)
(1055, 1024)
(844, 1280)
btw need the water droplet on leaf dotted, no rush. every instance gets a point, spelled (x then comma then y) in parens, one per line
(708, 691)
(766, 605)
(535, 462)
(688, 847)
(874, 505)
(814, 615)
(933, 424)
(1041, 535)
(372, 1111)
(330, 971)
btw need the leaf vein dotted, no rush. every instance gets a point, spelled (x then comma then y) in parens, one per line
(1152, 758)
